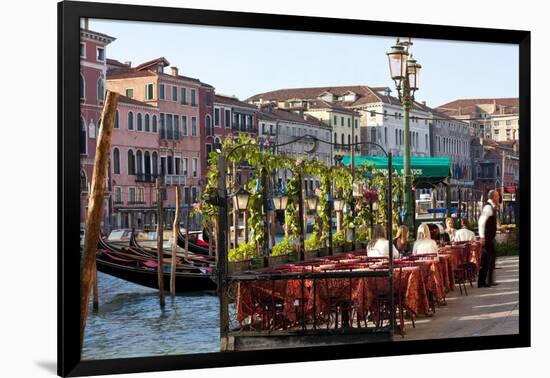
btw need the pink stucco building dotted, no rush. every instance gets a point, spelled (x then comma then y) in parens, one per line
(182, 106)
(93, 50)
(134, 164)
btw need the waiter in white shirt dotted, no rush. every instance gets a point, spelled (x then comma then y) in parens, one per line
(487, 225)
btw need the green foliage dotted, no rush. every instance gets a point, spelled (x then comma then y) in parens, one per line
(284, 247)
(245, 251)
(338, 180)
(507, 248)
(338, 239)
(361, 236)
(312, 243)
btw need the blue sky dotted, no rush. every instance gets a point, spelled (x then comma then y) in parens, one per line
(243, 62)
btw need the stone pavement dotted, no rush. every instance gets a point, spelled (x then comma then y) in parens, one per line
(485, 311)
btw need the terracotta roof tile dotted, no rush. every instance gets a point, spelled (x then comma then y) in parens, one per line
(233, 101)
(469, 106)
(127, 100)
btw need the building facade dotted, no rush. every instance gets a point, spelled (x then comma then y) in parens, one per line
(360, 114)
(495, 165)
(181, 123)
(451, 137)
(93, 51)
(489, 118)
(134, 164)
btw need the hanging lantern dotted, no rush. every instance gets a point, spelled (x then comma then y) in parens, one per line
(338, 204)
(280, 202)
(311, 202)
(241, 199)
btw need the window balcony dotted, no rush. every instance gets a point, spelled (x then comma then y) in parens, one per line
(175, 180)
(146, 177)
(136, 202)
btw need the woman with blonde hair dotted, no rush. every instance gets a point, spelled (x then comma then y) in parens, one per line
(379, 244)
(450, 231)
(424, 243)
(401, 240)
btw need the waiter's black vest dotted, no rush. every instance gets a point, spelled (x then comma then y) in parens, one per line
(491, 224)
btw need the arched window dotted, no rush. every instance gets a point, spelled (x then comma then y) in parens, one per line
(83, 138)
(116, 161)
(356, 140)
(349, 138)
(147, 126)
(139, 162)
(116, 120)
(335, 138)
(154, 123)
(154, 163)
(83, 181)
(100, 90)
(82, 88)
(139, 122)
(396, 137)
(147, 161)
(131, 163)
(342, 139)
(130, 121)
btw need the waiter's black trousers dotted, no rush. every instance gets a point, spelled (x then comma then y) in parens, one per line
(488, 258)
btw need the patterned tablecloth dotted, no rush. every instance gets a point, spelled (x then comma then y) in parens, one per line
(294, 298)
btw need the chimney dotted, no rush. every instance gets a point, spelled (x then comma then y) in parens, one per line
(84, 23)
(128, 63)
(424, 102)
(174, 71)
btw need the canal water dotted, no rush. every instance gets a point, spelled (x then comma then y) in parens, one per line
(130, 323)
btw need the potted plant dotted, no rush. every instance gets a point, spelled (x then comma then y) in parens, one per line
(338, 241)
(312, 246)
(241, 257)
(280, 253)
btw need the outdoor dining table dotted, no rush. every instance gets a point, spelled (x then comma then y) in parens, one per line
(315, 298)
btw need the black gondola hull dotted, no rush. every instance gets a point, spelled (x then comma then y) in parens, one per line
(185, 282)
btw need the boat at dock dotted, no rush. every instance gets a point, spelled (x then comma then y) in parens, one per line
(137, 264)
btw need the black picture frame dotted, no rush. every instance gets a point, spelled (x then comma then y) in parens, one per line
(69, 13)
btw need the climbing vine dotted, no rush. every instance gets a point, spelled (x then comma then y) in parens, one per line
(333, 182)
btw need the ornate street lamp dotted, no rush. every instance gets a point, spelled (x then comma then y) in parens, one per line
(413, 73)
(241, 199)
(338, 204)
(280, 202)
(311, 202)
(397, 57)
(405, 72)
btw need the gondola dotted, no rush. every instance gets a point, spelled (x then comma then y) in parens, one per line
(141, 270)
(194, 246)
(192, 258)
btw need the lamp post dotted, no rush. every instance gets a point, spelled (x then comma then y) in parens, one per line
(405, 70)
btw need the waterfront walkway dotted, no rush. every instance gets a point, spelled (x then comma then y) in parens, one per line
(484, 312)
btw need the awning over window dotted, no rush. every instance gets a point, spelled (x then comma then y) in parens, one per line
(427, 171)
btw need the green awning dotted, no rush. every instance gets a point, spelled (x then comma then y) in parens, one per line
(426, 170)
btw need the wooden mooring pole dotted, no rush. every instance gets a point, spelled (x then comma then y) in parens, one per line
(160, 242)
(175, 231)
(95, 204)
(96, 292)
(187, 224)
